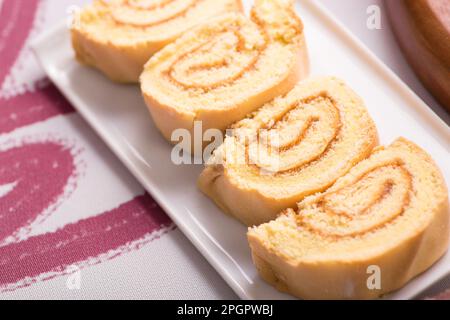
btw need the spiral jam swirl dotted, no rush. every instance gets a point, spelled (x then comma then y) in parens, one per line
(368, 202)
(218, 62)
(293, 138)
(228, 52)
(147, 13)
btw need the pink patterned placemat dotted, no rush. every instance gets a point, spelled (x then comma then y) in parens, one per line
(38, 174)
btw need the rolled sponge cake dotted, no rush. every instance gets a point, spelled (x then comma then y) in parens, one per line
(294, 146)
(224, 69)
(119, 36)
(387, 217)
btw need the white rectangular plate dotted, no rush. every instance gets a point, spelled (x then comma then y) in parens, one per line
(119, 116)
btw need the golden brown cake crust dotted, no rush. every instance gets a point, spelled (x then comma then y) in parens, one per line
(320, 267)
(325, 130)
(119, 36)
(226, 68)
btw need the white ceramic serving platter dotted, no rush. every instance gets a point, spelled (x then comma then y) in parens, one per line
(118, 114)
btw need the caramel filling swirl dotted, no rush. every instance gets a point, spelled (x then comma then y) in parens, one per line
(369, 202)
(220, 60)
(147, 13)
(293, 138)
(229, 50)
